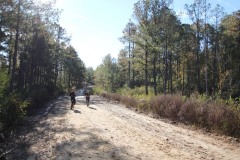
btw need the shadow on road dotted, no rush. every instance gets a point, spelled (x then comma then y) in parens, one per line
(37, 136)
(77, 111)
(92, 108)
(88, 146)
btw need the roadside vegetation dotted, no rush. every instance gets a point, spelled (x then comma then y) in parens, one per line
(37, 63)
(218, 116)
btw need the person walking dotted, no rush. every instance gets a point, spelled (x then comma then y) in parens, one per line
(87, 98)
(72, 94)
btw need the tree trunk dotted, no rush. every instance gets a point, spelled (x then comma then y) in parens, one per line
(170, 72)
(183, 80)
(12, 80)
(154, 75)
(146, 72)
(129, 63)
(198, 61)
(10, 57)
(133, 72)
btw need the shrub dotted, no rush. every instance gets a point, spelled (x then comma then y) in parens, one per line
(115, 97)
(128, 101)
(173, 107)
(143, 105)
(215, 115)
(137, 91)
(158, 104)
(188, 110)
(97, 90)
(202, 115)
(224, 118)
(167, 106)
(4, 80)
(104, 95)
(38, 95)
(198, 110)
(125, 100)
(13, 110)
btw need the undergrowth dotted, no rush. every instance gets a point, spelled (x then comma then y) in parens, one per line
(220, 116)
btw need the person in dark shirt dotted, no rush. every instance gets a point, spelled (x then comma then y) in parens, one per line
(87, 98)
(73, 100)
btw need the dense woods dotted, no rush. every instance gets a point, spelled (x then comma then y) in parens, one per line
(37, 62)
(172, 57)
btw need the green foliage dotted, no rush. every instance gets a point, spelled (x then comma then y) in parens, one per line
(138, 92)
(98, 90)
(3, 82)
(107, 74)
(37, 94)
(13, 109)
(90, 75)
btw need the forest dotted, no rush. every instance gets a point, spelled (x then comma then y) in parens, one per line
(172, 57)
(162, 56)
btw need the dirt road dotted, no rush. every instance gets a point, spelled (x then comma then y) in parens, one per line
(111, 131)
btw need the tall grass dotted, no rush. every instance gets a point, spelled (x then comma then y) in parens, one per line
(213, 115)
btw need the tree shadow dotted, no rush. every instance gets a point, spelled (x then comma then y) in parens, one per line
(89, 146)
(73, 144)
(41, 128)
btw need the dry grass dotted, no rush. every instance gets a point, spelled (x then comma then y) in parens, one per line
(167, 106)
(211, 115)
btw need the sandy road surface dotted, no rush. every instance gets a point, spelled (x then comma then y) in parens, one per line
(110, 131)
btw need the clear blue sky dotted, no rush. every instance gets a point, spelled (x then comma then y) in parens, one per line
(96, 25)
